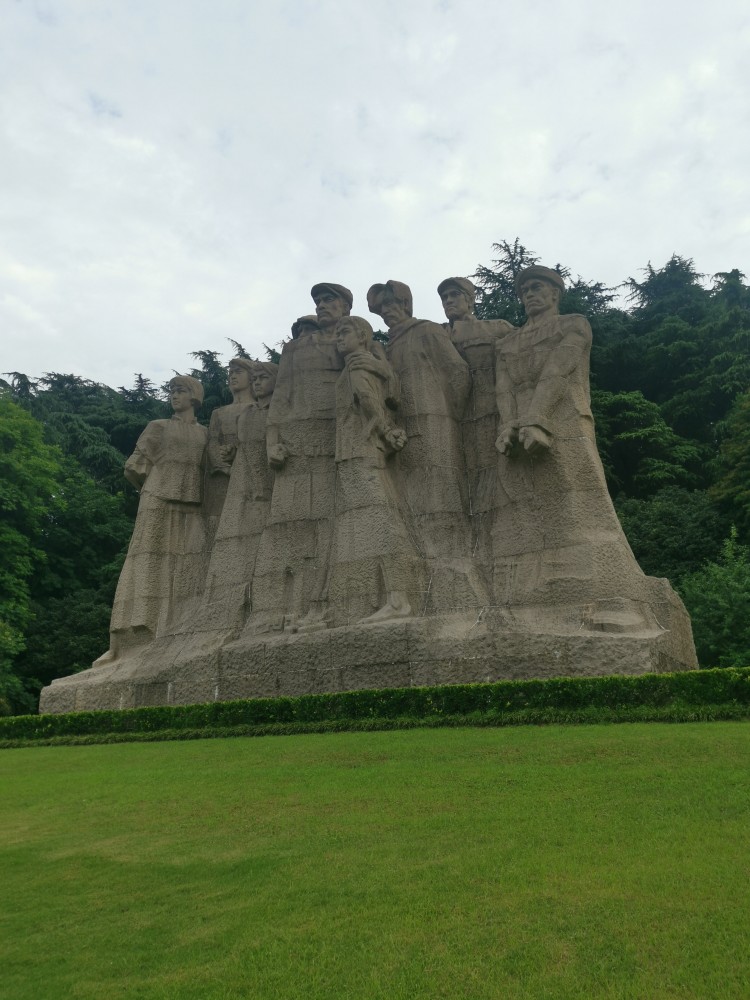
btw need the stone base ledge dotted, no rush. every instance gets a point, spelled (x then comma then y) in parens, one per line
(455, 649)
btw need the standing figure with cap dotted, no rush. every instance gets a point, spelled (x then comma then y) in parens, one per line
(289, 585)
(435, 384)
(475, 341)
(559, 550)
(164, 566)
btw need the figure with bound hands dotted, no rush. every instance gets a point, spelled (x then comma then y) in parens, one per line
(375, 570)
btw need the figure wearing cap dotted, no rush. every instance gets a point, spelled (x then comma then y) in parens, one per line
(557, 544)
(475, 341)
(304, 326)
(435, 384)
(458, 297)
(291, 568)
(163, 569)
(332, 303)
(540, 289)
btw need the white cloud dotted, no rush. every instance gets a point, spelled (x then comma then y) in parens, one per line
(174, 174)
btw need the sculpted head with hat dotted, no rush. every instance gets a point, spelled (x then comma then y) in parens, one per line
(332, 303)
(540, 289)
(391, 300)
(457, 296)
(304, 326)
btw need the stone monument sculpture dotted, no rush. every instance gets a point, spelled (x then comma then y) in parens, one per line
(435, 386)
(222, 442)
(475, 341)
(304, 326)
(432, 511)
(222, 429)
(557, 543)
(246, 507)
(375, 568)
(163, 567)
(293, 556)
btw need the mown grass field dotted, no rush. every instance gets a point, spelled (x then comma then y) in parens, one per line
(555, 862)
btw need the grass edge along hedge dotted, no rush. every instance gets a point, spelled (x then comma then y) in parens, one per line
(693, 695)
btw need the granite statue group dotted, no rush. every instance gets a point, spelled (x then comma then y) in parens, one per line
(449, 476)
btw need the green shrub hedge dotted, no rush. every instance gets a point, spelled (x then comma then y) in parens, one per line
(671, 697)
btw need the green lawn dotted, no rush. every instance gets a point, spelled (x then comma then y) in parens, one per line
(558, 862)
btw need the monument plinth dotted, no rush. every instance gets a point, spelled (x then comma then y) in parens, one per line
(430, 512)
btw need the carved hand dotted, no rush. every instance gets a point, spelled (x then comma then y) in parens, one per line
(227, 452)
(277, 455)
(365, 362)
(506, 440)
(534, 439)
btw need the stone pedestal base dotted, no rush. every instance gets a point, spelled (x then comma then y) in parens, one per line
(490, 645)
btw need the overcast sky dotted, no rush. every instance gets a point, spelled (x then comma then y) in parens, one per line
(178, 172)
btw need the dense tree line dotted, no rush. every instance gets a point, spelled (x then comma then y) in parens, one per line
(671, 398)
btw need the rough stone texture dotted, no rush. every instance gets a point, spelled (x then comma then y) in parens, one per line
(164, 565)
(244, 512)
(475, 340)
(450, 649)
(431, 513)
(222, 445)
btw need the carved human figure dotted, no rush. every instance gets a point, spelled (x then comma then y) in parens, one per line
(475, 341)
(375, 569)
(294, 552)
(435, 384)
(222, 442)
(304, 326)
(246, 507)
(557, 541)
(163, 565)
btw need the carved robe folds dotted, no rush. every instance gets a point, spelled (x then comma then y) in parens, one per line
(164, 565)
(373, 554)
(243, 519)
(294, 553)
(557, 541)
(475, 341)
(435, 384)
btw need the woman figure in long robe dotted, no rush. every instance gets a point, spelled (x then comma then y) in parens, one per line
(222, 443)
(246, 507)
(162, 569)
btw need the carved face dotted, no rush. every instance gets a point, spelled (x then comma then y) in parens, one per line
(393, 311)
(239, 378)
(329, 308)
(179, 397)
(539, 296)
(455, 303)
(263, 384)
(348, 339)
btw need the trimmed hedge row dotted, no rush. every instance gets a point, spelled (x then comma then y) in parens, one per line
(523, 717)
(573, 699)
